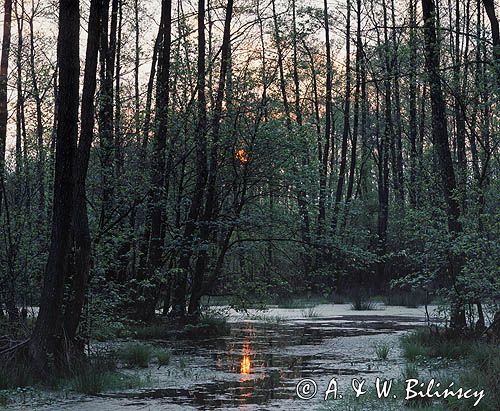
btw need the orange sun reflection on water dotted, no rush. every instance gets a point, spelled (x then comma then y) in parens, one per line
(246, 363)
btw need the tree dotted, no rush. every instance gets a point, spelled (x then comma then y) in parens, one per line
(4, 71)
(156, 228)
(47, 340)
(441, 142)
(81, 230)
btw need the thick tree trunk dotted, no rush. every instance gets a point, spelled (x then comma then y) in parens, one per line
(81, 232)
(47, 339)
(440, 140)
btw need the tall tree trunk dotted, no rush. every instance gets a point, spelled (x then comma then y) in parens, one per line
(81, 231)
(328, 126)
(180, 290)
(146, 308)
(4, 71)
(346, 129)
(277, 39)
(47, 339)
(119, 154)
(20, 111)
(413, 186)
(399, 177)
(107, 50)
(211, 197)
(357, 87)
(39, 124)
(459, 114)
(440, 140)
(489, 6)
(301, 192)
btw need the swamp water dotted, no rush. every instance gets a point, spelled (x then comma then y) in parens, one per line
(258, 366)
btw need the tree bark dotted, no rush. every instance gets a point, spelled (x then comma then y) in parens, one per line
(211, 197)
(489, 6)
(47, 340)
(440, 140)
(346, 129)
(180, 289)
(146, 307)
(328, 126)
(81, 231)
(4, 71)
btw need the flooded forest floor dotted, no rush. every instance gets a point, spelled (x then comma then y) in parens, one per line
(258, 365)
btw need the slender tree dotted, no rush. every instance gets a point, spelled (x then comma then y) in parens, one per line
(4, 71)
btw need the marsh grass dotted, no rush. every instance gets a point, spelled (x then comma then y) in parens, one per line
(16, 375)
(423, 343)
(271, 319)
(151, 332)
(479, 363)
(209, 325)
(94, 381)
(135, 354)
(310, 312)
(163, 357)
(382, 351)
(362, 303)
(302, 302)
(4, 399)
(410, 299)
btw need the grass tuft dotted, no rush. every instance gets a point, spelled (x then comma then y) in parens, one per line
(382, 351)
(136, 355)
(163, 357)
